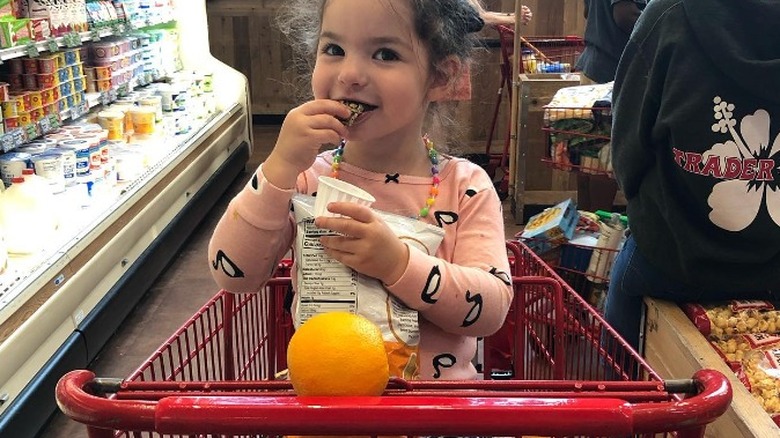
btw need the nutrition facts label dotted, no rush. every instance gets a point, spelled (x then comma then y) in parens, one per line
(326, 284)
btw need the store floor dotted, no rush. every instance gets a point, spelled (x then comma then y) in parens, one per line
(173, 299)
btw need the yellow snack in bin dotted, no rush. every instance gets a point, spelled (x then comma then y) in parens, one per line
(52, 108)
(49, 95)
(24, 118)
(60, 59)
(36, 100)
(12, 107)
(37, 114)
(23, 100)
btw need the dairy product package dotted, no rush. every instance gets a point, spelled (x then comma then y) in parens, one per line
(326, 285)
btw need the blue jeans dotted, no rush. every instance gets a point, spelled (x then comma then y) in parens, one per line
(631, 279)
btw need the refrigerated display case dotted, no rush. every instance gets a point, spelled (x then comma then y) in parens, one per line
(60, 306)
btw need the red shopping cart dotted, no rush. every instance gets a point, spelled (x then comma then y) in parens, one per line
(215, 377)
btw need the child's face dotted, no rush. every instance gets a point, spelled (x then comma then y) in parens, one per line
(368, 52)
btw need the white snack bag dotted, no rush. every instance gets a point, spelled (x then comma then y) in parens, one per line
(326, 285)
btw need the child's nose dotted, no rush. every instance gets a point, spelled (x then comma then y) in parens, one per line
(353, 72)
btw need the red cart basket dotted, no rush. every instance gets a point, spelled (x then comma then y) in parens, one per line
(570, 376)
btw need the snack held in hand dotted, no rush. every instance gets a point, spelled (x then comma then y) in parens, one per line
(356, 108)
(338, 354)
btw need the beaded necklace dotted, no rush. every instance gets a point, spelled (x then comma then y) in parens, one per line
(433, 156)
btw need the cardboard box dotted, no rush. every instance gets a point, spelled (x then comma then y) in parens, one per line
(552, 227)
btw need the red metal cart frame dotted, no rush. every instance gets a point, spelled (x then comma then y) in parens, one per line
(215, 377)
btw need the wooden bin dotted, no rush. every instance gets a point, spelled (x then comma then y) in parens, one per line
(534, 182)
(675, 349)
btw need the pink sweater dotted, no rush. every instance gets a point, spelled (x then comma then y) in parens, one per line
(474, 289)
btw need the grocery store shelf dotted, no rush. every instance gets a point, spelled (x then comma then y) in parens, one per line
(72, 40)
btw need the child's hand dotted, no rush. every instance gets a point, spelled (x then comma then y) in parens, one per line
(367, 244)
(305, 129)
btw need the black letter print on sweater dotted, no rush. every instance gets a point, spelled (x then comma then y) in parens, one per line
(431, 286)
(445, 360)
(476, 309)
(445, 218)
(392, 178)
(501, 275)
(228, 267)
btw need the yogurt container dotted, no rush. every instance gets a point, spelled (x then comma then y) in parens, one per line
(68, 154)
(50, 166)
(11, 165)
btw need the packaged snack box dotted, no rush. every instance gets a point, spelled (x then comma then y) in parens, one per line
(551, 227)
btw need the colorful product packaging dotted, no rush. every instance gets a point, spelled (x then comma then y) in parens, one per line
(551, 227)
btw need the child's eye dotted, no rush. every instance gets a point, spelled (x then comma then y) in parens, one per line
(386, 55)
(332, 50)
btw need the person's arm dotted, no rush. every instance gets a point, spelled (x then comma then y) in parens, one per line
(468, 294)
(252, 236)
(625, 13)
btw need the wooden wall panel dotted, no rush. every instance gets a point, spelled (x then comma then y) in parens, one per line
(242, 35)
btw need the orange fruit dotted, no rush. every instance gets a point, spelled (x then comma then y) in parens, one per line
(338, 354)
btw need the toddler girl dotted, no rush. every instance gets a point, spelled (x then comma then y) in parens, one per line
(394, 60)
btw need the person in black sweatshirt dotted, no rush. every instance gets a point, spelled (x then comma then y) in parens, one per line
(695, 149)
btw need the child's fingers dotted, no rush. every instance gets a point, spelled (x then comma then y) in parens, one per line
(327, 106)
(328, 122)
(358, 212)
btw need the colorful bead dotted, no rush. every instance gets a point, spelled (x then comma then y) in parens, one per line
(433, 156)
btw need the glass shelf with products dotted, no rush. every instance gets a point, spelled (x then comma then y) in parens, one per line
(86, 211)
(42, 92)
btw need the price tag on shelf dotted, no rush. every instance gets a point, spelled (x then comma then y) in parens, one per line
(51, 45)
(94, 35)
(31, 130)
(104, 98)
(45, 125)
(54, 121)
(19, 136)
(72, 40)
(84, 106)
(31, 50)
(8, 142)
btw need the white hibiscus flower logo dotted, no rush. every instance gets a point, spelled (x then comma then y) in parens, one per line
(736, 202)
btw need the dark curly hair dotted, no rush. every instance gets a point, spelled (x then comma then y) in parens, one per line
(444, 27)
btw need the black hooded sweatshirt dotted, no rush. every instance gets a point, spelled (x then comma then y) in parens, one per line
(696, 143)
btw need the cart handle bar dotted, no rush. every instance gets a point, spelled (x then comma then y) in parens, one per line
(461, 415)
